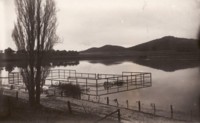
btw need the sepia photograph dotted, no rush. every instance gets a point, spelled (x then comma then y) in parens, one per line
(100, 61)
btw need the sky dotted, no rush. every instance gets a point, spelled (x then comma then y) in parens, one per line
(83, 24)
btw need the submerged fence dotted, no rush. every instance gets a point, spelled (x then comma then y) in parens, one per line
(100, 84)
(96, 87)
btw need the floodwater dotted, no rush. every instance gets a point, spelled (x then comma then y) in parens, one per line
(179, 87)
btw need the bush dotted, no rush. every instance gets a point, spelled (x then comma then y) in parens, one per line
(70, 90)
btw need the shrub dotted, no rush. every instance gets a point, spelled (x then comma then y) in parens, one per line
(70, 90)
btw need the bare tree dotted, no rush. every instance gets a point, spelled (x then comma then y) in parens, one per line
(35, 32)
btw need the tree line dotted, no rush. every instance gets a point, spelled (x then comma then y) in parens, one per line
(10, 54)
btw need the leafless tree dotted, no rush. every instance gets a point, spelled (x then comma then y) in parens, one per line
(35, 32)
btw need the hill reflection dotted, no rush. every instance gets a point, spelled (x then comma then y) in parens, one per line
(165, 65)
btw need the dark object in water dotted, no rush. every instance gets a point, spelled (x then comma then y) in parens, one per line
(108, 85)
(70, 90)
(119, 83)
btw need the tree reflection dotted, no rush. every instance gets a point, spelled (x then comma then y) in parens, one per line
(25, 73)
(9, 66)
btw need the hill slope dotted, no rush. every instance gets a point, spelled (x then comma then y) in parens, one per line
(106, 48)
(168, 43)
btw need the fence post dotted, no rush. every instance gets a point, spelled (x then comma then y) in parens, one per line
(127, 82)
(96, 87)
(69, 107)
(154, 108)
(107, 100)
(61, 93)
(119, 115)
(139, 106)
(127, 103)
(54, 92)
(64, 74)
(17, 94)
(99, 99)
(18, 77)
(171, 107)
(86, 82)
(59, 73)
(116, 102)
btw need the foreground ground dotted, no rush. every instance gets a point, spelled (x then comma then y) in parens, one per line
(55, 110)
(21, 112)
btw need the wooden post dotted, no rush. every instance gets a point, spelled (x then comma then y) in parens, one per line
(54, 91)
(17, 94)
(135, 79)
(61, 93)
(143, 75)
(119, 115)
(69, 107)
(127, 104)
(96, 87)
(171, 107)
(139, 106)
(13, 78)
(150, 79)
(117, 102)
(99, 99)
(131, 78)
(18, 78)
(117, 84)
(86, 81)
(59, 73)
(64, 74)
(154, 108)
(127, 82)
(51, 74)
(76, 81)
(107, 100)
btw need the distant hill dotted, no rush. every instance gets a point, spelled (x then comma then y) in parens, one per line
(106, 48)
(168, 43)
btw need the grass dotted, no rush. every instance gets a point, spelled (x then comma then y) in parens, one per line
(21, 112)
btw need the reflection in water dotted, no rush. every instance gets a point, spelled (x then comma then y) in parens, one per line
(174, 82)
(168, 65)
(179, 88)
(26, 75)
(9, 66)
(165, 65)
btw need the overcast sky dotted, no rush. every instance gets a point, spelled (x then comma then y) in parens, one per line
(93, 23)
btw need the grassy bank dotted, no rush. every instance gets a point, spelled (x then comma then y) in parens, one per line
(21, 112)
